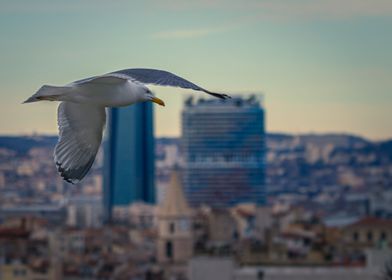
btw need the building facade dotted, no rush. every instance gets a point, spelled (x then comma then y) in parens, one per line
(84, 211)
(224, 151)
(175, 229)
(369, 232)
(129, 157)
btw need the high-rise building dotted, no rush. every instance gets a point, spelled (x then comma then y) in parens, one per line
(129, 157)
(224, 151)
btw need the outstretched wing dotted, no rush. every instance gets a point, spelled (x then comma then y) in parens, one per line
(163, 78)
(81, 128)
(109, 79)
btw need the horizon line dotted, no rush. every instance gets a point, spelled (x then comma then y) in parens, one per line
(313, 133)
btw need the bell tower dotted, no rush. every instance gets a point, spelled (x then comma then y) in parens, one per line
(175, 243)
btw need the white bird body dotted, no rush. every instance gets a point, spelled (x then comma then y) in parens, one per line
(81, 113)
(116, 95)
(107, 92)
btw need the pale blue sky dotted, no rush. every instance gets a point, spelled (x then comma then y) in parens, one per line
(323, 65)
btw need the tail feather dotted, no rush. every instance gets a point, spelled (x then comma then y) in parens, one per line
(46, 92)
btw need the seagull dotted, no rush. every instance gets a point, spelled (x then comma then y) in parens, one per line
(81, 114)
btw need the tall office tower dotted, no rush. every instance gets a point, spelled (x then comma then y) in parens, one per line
(129, 157)
(224, 151)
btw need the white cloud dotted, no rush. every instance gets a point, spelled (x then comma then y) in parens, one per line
(252, 11)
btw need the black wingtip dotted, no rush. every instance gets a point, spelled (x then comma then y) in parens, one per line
(219, 95)
(61, 170)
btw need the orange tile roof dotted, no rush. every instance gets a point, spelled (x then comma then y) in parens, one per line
(372, 221)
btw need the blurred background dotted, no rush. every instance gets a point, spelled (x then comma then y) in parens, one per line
(289, 179)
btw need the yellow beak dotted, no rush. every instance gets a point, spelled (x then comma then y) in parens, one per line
(158, 101)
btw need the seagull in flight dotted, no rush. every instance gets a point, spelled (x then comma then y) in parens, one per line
(81, 113)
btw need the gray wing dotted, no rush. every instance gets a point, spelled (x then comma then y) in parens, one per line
(81, 129)
(163, 78)
(104, 79)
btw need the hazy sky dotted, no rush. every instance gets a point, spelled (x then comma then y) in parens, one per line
(323, 65)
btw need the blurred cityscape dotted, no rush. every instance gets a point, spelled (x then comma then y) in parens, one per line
(229, 201)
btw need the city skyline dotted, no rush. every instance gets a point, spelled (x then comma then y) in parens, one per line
(323, 66)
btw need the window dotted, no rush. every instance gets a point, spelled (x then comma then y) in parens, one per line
(383, 236)
(171, 227)
(370, 236)
(169, 249)
(355, 236)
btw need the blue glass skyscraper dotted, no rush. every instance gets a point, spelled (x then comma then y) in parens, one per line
(129, 157)
(224, 151)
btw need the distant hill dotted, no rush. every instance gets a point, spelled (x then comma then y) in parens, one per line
(21, 144)
(279, 136)
(167, 140)
(339, 140)
(385, 148)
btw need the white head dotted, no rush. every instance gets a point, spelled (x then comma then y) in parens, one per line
(148, 95)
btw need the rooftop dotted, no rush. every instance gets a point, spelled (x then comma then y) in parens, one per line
(373, 222)
(175, 203)
(238, 101)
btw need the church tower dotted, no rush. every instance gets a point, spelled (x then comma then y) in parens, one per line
(175, 244)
